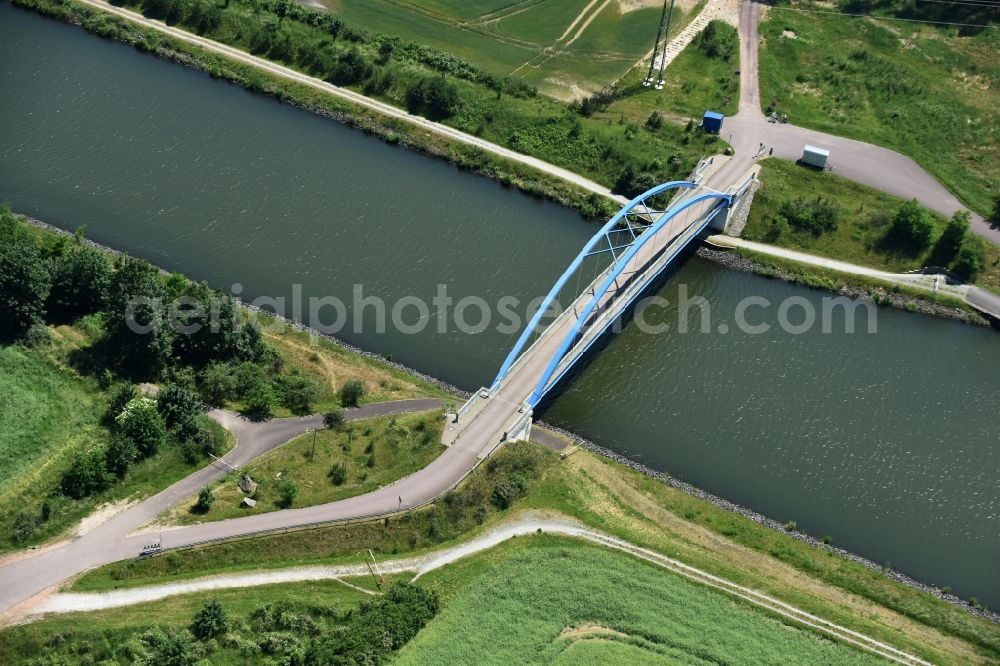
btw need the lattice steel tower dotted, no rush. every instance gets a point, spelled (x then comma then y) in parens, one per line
(662, 37)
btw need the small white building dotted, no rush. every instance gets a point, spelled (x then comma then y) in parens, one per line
(814, 156)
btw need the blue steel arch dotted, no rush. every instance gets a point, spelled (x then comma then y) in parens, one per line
(603, 234)
(543, 383)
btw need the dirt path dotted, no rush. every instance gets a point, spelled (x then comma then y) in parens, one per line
(527, 524)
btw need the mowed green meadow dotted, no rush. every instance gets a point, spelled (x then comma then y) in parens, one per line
(544, 599)
(42, 410)
(567, 48)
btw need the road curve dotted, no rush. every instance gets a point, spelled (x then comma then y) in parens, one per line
(862, 162)
(110, 542)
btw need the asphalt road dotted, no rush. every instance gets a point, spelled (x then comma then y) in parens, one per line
(862, 162)
(22, 579)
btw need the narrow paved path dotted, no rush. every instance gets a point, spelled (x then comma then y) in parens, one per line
(354, 98)
(862, 162)
(525, 525)
(110, 542)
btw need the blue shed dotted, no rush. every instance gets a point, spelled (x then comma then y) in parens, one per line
(712, 122)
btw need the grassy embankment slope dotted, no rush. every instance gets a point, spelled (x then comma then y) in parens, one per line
(615, 499)
(369, 454)
(864, 221)
(504, 111)
(562, 601)
(55, 400)
(930, 92)
(558, 601)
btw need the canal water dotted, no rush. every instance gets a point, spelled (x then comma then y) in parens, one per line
(887, 442)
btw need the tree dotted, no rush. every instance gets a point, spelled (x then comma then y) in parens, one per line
(333, 419)
(351, 67)
(141, 422)
(216, 384)
(351, 392)
(969, 260)
(655, 120)
(995, 216)
(287, 493)
(81, 279)
(258, 403)
(136, 317)
(954, 233)
(179, 407)
(206, 498)
(24, 279)
(912, 227)
(120, 397)
(435, 97)
(338, 474)
(718, 40)
(120, 455)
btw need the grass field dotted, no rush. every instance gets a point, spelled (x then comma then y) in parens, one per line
(644, 511)
(568, 48)
(394, 447)
(864, 220)
(43, 408)
(562, 601)
(926, 91)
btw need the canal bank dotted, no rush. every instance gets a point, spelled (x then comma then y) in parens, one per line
(878, 440)
(660, 476)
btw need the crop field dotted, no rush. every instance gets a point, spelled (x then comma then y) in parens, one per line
(370, 453)
(562, 601)
(929, 92)
(568, 48)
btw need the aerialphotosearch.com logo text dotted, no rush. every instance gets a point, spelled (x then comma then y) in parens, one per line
(442, 313)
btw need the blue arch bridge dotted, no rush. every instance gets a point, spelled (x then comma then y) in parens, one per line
(607, 276)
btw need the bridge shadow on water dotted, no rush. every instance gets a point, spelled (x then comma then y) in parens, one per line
(621, 324)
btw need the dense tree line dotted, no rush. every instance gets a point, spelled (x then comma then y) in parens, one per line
(283, 632)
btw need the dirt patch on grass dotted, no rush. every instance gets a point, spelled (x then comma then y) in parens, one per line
(587, 631)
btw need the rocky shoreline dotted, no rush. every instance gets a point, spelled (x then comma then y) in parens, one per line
(739, 262)
(729, 260)
(761, 519)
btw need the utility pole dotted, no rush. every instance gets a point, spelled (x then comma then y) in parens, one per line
(662, 37)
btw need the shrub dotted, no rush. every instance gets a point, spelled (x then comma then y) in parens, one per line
(120, 397)
(911, 227)
(298, 393)
(351, 392)
(435, 97)
(24, 526)
(206, 498)
(38, 336)
(141, 422)
(210, 620)
(287, 493)
(216, 384)
(333, 419)
(814, 217)
(156, 646)
(718, 40)
(950, 242)
(970, 259)
(178, 406)
(120, 455)
(338, 474)
(86, 475)
(259, 404)
(351, 67)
